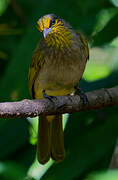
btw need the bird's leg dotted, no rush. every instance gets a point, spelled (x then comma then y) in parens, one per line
(51, 98)
(80, 92)
(48, 96)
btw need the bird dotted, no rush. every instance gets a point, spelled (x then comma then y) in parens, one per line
(56, 67)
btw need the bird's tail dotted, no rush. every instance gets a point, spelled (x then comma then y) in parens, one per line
(50, 138)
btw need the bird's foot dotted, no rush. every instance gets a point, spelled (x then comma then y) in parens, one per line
(48, 96)
(80, 92)
(52, 99)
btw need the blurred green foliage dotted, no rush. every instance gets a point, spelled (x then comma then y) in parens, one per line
(105, 175)
(90, 137)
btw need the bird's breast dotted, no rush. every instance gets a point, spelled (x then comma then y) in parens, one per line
(61, 72)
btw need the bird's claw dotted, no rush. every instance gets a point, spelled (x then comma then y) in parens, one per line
(80, 92)
(48, 96)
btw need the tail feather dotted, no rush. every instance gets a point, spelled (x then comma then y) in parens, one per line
(44, 140)
(50, 139)
(57, 147)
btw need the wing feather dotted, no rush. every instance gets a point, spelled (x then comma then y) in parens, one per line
(84, 41)
(35, 67)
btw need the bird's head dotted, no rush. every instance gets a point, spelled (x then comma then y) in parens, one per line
(56, 31)
(49, 24)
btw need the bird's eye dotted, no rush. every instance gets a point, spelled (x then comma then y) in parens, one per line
(52, 22)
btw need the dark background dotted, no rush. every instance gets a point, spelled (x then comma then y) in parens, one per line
(90, 137)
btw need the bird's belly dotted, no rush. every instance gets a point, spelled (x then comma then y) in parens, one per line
(59, 80)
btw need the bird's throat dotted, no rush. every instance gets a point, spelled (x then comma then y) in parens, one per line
(59, 39)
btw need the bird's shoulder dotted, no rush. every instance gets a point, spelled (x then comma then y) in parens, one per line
(84, 43)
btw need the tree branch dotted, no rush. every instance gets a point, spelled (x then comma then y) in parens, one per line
(61, 104)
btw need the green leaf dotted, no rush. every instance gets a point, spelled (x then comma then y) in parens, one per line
(11, 171)
(3, 5)
(105, 175)
(14, 133)
(114, 43)
(114, 2)
(95, 72)
(104, 16)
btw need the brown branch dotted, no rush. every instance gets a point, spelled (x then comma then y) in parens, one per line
(61, 104)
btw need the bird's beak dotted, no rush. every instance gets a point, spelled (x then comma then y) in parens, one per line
(46, 31)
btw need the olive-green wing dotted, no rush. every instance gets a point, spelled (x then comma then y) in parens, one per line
(84, 41)
(35, 67)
